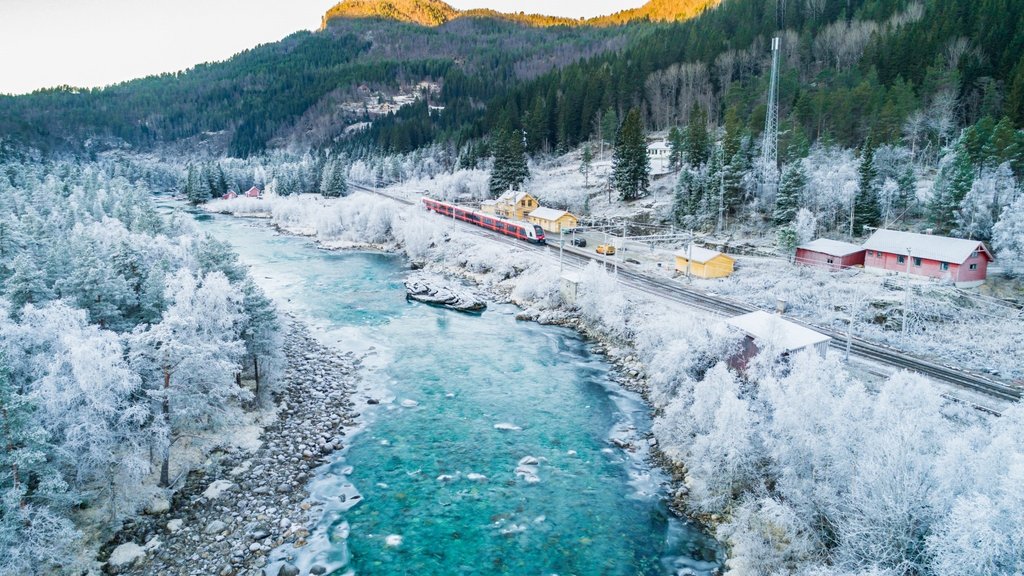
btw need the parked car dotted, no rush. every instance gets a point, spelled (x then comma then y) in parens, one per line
(581, 242)
(606, 249)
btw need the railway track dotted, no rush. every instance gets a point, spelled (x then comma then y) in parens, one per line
(665, 288)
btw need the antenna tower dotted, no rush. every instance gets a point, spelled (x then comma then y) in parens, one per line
(770, 147)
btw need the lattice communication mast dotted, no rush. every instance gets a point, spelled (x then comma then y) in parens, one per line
(770, 147)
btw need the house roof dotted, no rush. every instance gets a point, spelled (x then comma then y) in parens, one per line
(831, 247)
(549, 214)
(514, 195)
(761, 325)
(700, 255)
(941, 248)
(660, 145)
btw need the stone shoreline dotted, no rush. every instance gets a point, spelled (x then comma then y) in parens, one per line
(241, 505)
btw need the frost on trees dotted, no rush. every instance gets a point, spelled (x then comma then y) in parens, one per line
(189, 359)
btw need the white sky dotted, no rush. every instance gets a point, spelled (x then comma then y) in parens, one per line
(91, 43)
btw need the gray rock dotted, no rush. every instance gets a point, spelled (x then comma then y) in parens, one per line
(317, 570)
(289, 570)
(215, 527)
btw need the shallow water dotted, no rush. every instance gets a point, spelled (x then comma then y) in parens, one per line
(490, 451)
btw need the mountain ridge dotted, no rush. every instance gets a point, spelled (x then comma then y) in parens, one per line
(433, 13)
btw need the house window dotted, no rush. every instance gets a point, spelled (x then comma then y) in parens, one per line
(901, 259)
(943, 265)
(829, 260)
(917, 261)
(974, 254)
(974, 266)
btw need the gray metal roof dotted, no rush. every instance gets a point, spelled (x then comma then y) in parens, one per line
(831, 247)
(941, 248)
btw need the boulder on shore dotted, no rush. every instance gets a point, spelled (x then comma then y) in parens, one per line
(433, 291)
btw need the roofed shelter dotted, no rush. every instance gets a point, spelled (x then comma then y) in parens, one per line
(552, 220)
(831, 254)
(704, 263)
(760, 327)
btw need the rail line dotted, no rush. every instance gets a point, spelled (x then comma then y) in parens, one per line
(672, 290)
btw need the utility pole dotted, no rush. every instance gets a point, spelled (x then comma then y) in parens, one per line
(561, 247)
(906, 299)
(770, 145)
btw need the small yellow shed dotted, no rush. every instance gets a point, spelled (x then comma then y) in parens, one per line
(703, 263)
(552, 220)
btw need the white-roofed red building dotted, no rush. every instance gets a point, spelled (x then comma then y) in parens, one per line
(253, 192)
(831, 254)
(963, 262)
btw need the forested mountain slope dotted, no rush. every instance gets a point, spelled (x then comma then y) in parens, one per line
(849, 68)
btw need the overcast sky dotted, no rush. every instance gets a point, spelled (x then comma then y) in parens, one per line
(89, 43)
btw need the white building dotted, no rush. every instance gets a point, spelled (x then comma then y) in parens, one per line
(658, 153)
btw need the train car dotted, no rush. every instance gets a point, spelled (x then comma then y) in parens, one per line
(521, 230)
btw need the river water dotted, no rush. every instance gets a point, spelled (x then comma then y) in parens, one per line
(489, 452)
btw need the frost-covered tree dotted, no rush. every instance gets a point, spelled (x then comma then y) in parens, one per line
(35, 534)
(790, 190)
(188, 360)
(88, 399)
(261, 334)
(586, 164)
(1008, 236)
(955, 180)
(805, 226)
(27, 283)
(333, 184)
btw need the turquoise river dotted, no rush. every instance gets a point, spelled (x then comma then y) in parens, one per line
(490, 451)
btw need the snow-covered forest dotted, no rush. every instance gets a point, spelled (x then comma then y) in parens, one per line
(802, 467)
(129, 345)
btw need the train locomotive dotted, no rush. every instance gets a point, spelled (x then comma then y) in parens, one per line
(521, 230)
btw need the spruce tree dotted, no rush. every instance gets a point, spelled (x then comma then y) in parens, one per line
(675, 154)
(196, 191)
(1002, 145)
(510, 170)
(630, 166)
(865, 208)
(787, 200)
(696, 140)
(955, 181)
(333, 184)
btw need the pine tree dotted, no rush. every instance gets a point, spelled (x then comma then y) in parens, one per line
(696, 140)
(790, 189)
(586, 164)
(865, 208)
(630, 165)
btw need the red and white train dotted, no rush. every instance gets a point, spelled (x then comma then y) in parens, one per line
(520, 230)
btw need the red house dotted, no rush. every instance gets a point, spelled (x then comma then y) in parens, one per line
(963, 262)
(831, 254)
(253, 192)
(229, 196)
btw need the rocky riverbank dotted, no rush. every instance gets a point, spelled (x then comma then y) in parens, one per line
(239, 506)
